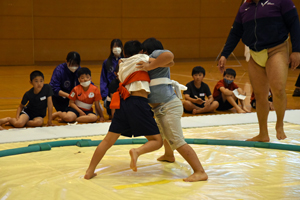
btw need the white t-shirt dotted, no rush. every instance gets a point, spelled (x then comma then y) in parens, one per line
(127, 67)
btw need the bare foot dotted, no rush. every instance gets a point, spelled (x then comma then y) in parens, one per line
(89, 174)
(4, 120)
(239, 110)
(199, 176)
(194, 111)
(134, 156)
(246, 110)
(280, 132)
(259, 138)
(165, 158)
(55, 115)
(1, 128)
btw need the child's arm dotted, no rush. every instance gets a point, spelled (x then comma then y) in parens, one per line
(163, 60)
(99, 110)
(63, 94)
(20, 108)
(209, 100)
(226, 91)
(73, 105)
(194, 100)
(50, 111)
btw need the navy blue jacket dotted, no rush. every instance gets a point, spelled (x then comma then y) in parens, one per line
(264, 25)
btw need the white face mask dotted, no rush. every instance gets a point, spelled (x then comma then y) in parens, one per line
(85, 84)
(73, 69)
(117, 51)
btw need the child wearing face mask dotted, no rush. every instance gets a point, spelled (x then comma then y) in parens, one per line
(223, 93)
(64, 79)
(82, 98)
(108, 68)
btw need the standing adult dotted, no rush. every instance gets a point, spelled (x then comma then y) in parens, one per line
(108, 69)
(264, 26)
(64, 79)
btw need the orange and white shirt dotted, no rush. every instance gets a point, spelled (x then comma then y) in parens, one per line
(85, 99)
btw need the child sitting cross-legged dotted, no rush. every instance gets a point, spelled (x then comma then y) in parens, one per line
(82, 98)
(223, 93)
(195, 94)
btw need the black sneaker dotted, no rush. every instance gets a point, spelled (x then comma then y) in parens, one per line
(296, 93)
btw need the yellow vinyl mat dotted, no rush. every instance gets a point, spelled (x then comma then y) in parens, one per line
(234, 172)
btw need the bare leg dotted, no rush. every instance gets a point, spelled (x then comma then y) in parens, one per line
(68, 116)
(20, 122)
(36, 122)
(232, 101)
(209, 108)
(169, 154)
(87, 118)
(258, 80)
(154, 143)
(4, 120)
(100, 151)
(56, 114)
(277, 73)
(191, 157)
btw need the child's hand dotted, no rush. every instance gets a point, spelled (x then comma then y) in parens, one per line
(199, 100)
(82, 114)
(101, 119)
(142, 65)
(50, 124)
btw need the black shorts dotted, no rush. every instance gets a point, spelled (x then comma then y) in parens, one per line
(77, 113)
(134, 118)
(31, 114)
(224, 105)
(60, 103)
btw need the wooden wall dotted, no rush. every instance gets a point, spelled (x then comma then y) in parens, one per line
(34, 30)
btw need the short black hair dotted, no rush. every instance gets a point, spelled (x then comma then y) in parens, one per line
(197, 70)
(36, 73)
(151, 44)
(73, 58)
(230, 71)
(132, 47)
(84, 70)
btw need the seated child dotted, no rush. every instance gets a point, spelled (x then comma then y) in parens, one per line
(34, 104)
(112, 88)
(223, 93)
(270, 99)
(134, 116)
(82, 98)
(195, 94)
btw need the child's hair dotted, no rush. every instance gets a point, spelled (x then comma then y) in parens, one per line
(73, 58)
(197, 70)
(84, 70)
(230, 71)
(35, 74)
(109, 64)
(151, 44)
(132, 47)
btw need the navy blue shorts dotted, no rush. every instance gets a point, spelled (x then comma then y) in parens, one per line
(30, 114)
(77, 113)
(134, 118)
(224, 105)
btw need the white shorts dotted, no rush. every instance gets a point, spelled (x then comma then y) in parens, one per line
(168, 119)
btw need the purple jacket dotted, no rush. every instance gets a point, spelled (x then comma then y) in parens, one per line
(107, 76)
(63, 79)
(264, 25)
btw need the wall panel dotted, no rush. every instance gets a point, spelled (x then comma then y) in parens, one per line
(160, 27)
(76, 28)
(77, 8)
(57, 50)
(161, 9)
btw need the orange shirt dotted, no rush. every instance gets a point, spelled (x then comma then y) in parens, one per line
(85, 99)
(232, 86)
